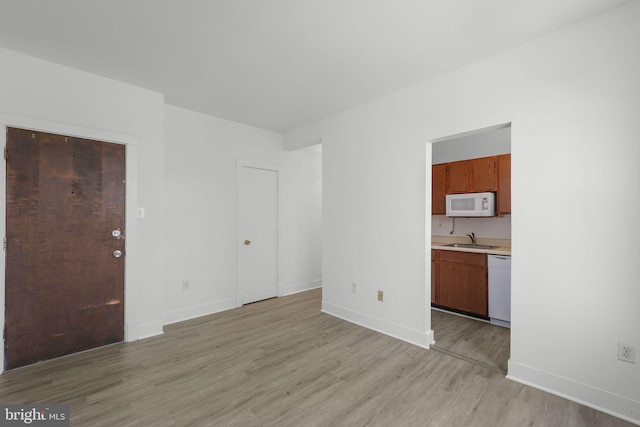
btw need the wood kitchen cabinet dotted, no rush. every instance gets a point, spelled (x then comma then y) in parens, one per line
(504, 185)
(472, 176)
(438, 189)
(484, 174)
(491, 173)
(458, 177)
(435, 290)
(459, 281)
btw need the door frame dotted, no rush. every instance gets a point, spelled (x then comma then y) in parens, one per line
(241, 163)
(131, 330)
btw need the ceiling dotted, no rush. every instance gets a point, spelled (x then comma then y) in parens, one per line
(278, 64)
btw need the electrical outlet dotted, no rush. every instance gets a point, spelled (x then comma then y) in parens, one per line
(380, 295)
(186, 285)
(626, 352)
(354, 287)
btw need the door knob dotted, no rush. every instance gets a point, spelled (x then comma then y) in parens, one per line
(117, 254)
(247, 242)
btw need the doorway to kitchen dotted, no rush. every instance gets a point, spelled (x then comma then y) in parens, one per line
(464, 294)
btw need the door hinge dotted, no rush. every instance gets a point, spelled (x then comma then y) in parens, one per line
(6, 156)
(4, 243)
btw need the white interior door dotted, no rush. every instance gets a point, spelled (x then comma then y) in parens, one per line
(257, 233)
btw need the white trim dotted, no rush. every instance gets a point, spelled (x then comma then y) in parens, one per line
(259, 165)
(240, 163)
(239, 297)
(295, 288)
(472, 132)
(149, 329)
(428, 153)
(453, 313)
(131, 226)
(10, 120)
(584, 394)
(131, 328)
(418, 338)
(182, 314)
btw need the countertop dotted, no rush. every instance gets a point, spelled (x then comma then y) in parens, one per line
(503, 245)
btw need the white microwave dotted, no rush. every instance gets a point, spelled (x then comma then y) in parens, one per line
(471, 204)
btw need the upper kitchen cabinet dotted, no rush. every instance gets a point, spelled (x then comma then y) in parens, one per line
(438, 189)
(458, 177)
(484, 174)
(504, 184)
(472, 176)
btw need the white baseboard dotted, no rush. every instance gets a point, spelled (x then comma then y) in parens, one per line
(182, 314)
(418, 338)
(149, 329)
(239, 299)
(298, 287)
(131, 332)
(584, 394)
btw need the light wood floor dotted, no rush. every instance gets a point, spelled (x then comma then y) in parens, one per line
(473, 340)
(282, 362)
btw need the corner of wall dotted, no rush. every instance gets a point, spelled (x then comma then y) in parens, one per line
(418, 338)
(584, 394)
(294, 288)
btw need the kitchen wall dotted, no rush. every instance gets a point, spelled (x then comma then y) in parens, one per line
(573, 99)
(481, 143)
(201, 213)
(494, 228)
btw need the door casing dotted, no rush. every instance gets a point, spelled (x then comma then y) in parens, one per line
(131, 332)
(240, 163)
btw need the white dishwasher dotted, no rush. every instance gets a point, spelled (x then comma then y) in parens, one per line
(500, 289)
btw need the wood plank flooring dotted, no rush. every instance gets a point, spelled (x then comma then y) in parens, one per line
(282, 362)
(477, 341)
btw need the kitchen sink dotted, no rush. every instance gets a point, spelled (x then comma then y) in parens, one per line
(470, 246)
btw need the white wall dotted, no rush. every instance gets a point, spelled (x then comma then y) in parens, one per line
(481, 144)
(201, 213)
(190, 202)
(573, 99)
(301, 235)
(37, 91)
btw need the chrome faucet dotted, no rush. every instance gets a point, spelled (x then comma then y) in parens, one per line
(472, 236)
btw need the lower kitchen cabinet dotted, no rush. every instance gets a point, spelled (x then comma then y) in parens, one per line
(435, 290)
(459, 281)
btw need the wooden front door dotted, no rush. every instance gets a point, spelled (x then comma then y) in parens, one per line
(65, 225)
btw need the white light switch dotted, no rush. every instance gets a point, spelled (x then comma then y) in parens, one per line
(140, 213)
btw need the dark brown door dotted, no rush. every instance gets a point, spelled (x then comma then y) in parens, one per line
(65, 224)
